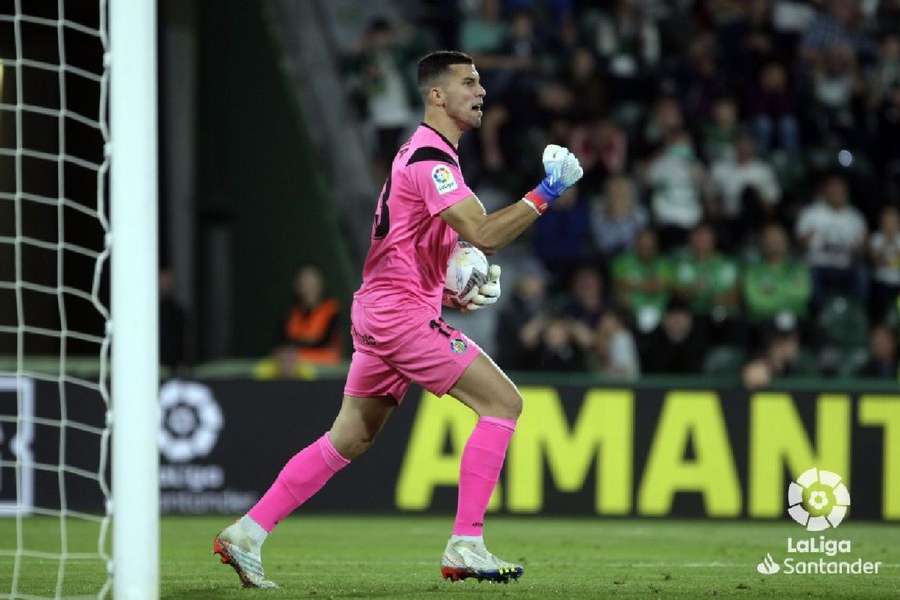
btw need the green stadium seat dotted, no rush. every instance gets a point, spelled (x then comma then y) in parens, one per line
(852, 361)
(843, 321)
(724, 360)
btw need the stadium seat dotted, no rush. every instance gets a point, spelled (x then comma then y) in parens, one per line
(724, 360)
(843, 322)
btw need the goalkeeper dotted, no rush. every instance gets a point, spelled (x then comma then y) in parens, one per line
(398, 335)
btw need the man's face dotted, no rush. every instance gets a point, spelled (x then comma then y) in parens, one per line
(646, 245)
(890, 220)
(462, 96)
(702, 241)
(678, 324)
(774, 243)
(835, 192)
(619, 193)
(308, 285)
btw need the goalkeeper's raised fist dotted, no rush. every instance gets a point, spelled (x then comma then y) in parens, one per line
(562, 170)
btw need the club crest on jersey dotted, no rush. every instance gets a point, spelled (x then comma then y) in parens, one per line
(444, 181)
(458, 345)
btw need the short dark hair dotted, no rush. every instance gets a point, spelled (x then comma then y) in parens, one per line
(435, 64)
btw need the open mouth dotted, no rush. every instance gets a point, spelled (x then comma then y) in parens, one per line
(478, 108)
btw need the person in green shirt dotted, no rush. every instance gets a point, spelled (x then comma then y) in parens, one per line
(777, 284)
(643, 281)
(705, 279)
(709, 283)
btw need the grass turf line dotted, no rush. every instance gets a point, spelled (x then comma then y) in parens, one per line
(398, 557)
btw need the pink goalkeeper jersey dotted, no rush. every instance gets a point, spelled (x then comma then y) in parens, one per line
(407, 261)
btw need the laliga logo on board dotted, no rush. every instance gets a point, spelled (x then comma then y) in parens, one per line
(190, 421)
(818, 500)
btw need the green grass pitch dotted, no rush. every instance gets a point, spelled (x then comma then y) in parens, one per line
(397, 557)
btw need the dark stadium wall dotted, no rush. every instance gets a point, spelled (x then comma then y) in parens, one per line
(263, 206)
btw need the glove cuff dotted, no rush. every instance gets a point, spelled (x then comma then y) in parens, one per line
(540, 198)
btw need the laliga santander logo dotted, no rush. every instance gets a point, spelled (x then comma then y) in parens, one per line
(818, 500)
(190, 421)
(441, 174)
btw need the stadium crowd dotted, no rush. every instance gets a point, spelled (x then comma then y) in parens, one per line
(742, 175)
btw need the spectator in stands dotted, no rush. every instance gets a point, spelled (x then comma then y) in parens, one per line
(522, 318)
(888, 16)
(782, 357)
(309, 332)
(502, 48)
(882, 353)
(772, 110)
(584, 308)
(747, 40)
(617, 217)
(834, 233)
(643, 281)
(625, 35)
(615, 351)
(520, 50)
(602, 149)
(559, 349)
(777, 284)
(837, 90)
(678, 345)
(708, 282)
(884, 250)
(675, 177)
(483, 32)
(835, 26)
(700, 80)
(382, 57)
(731, 177)
(721, 132)
(563, 235)
(885, 74)
(588, 86)
(585, 304)
(746, 190)
(885, 151)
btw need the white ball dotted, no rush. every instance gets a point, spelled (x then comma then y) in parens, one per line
(467, 269)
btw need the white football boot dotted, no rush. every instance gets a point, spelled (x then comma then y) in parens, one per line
(464, 559)
(235, 548)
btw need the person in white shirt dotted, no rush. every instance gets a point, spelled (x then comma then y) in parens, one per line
(834, 234)
(675, 177)
(884, 250)
(732, 176)
(745, 188)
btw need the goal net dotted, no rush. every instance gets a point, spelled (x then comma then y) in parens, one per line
(56, 334)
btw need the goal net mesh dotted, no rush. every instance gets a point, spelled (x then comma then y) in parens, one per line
(54, 271)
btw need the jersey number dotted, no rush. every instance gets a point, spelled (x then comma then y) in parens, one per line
(383, 213)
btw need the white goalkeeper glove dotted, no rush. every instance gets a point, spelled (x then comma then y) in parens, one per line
(489, 292)
(561, 167)
(562, 171)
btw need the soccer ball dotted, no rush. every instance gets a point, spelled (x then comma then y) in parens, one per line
(467, 269)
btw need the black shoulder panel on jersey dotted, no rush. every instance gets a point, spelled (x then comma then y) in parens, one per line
(430, 153)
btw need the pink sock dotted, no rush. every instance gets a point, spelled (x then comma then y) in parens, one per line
(479, 470)
(301, 477)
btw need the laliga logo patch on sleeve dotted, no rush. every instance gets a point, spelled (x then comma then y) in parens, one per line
(443, 179)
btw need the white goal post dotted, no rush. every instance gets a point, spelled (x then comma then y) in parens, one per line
(134, 298)
(78, 112)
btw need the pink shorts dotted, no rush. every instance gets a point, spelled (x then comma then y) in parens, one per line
(392, 348)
